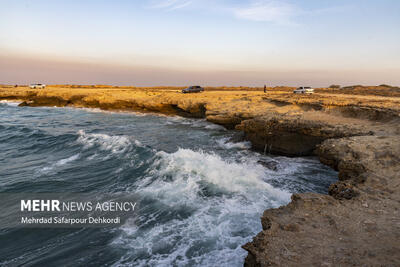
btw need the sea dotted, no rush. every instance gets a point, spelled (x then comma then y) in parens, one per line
(201, 188)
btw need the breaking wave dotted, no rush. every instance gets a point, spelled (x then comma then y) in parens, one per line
(9, 103)
(114, 144)
(226, 144)
(60, 163)
(216, 202)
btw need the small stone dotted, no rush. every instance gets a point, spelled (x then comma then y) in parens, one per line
(342, 190)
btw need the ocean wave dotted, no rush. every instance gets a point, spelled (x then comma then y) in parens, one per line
(189, 167)
(212, 126)
(10, 103)
(59, 163)
(113, 143)
(195, 123)
(191, 170)
(119, 112)
(220, 201)
(224, 143)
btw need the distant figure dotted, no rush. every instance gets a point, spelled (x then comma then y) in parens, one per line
(265, 88)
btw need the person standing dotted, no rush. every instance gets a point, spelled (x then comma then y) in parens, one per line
(265, 88)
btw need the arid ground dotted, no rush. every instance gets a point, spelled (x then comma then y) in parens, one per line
(355, 130)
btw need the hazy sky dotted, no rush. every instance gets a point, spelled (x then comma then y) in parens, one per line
(220, 42)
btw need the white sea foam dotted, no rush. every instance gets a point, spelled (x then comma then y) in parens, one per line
(67, 160)
(195, 123)
(119, 112)
(114, 144)
(178, 120)
(212, 126)
(195, 166)
(10, 103)
(226, 199)
(224, 143)
(94, 110)
(202, 123)
(59, 163)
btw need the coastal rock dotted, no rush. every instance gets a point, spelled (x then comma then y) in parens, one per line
(342, 190)
(23, 104)
(228, 122)
(315, 229)
(292, 135)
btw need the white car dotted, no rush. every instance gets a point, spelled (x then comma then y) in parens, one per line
(304, 90)
(37, 85)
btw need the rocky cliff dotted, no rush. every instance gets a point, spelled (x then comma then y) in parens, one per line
(357, 224)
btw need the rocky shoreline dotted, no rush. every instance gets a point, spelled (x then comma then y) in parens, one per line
(358, 223)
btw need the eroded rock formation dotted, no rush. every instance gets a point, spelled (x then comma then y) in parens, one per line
(358, 224)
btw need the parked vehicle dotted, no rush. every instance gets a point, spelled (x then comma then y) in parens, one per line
(37, 86)
(304, 90)
(193, 89)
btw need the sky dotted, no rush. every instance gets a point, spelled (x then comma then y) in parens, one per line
(214, 43)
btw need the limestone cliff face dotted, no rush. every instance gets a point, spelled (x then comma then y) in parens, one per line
(358, 223)
(293, 135)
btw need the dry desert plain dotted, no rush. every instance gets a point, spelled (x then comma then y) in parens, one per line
(355, 130)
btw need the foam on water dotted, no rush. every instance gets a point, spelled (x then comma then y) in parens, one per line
(195, 123)
(59, 163)
(188, 166)
(225, 199)
(10, 103)
(114, 144)
(225, 144)
(120, 112)
(212, 126)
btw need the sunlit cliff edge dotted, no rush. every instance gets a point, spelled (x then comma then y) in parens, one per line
(354, 130)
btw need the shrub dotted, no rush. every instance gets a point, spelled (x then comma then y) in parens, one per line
(333, 86)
